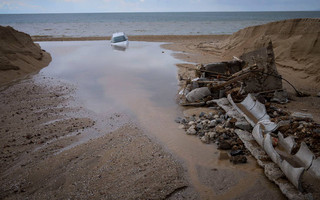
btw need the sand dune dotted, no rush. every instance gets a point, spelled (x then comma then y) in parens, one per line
(296, 45)
(19, 55)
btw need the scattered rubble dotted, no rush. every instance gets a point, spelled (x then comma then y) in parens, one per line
(288, 143)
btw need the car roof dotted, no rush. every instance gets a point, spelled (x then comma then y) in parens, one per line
(118, 34)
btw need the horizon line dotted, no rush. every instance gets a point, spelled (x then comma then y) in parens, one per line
(160, 12)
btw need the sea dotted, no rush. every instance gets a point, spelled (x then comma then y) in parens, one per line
(164, 23)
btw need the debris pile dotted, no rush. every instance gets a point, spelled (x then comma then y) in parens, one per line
(253, 72)
(249, 114)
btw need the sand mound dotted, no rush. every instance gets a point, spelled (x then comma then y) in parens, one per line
(19, 55)
(296, 44)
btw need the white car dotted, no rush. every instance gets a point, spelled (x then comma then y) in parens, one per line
(120, 40)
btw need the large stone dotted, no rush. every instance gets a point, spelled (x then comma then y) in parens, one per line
(243, 125)
(197, 94)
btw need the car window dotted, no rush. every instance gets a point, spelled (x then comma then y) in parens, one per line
(119, 39)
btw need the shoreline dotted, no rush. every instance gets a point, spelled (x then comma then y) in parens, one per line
(145, 38)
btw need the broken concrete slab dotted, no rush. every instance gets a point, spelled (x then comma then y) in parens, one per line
(268, 80)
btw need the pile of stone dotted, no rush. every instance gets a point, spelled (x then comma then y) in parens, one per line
(217, 128)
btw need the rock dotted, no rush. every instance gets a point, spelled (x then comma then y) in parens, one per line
(280, 97)
(198, 94)
(216, 116)
(199, 126)
(212, 135)
(182, 126)
(220, 129)
(192, 130)
(205, 139)
(202, 114)
(203, 122)
(178, 120)
(212, 123)
(236, 152)
(200, 133)
(219, 121)
(231, 122)
(301, 116)
(191, 123)
(238, 159)
(224, 145)
(225, 136)
(192, 118)
(223, 156)
(244, 125)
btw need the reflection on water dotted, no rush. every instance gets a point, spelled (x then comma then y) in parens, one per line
(120, 47)
(107, 78)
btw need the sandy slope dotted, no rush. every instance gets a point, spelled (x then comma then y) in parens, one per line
(19, 55)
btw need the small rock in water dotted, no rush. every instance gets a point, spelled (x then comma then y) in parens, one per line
(236, 152)
(178, 120)
(224, 145)
(182, 126)
(238, 159)
(223, 156)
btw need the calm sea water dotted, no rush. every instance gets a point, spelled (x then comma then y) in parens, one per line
(104, 24)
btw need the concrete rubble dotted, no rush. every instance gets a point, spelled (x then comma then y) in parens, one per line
(242, 95)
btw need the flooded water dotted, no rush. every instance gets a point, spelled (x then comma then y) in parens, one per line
(141, 81)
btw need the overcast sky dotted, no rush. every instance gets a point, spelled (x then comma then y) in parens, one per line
(79, 6)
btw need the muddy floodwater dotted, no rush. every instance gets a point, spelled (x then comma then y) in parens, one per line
(142, 83)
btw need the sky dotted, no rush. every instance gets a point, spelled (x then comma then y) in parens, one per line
(89, 6)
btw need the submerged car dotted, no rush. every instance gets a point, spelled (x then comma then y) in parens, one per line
(119, 40)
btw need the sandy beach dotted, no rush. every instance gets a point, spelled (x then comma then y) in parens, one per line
(55, 148)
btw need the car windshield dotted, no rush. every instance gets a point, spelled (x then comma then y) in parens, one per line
(119, 39)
